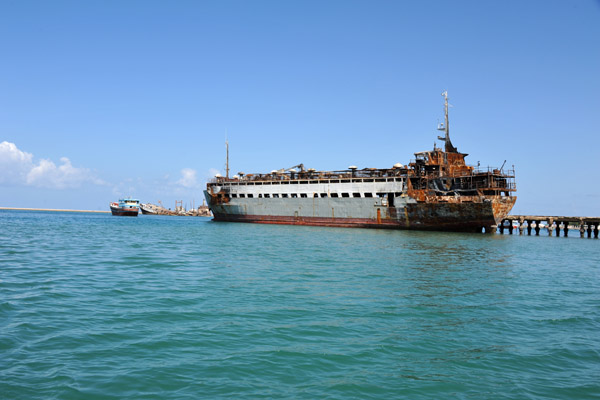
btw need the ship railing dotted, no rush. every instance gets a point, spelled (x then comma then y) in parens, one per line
(349, 174)
(490, 181)
(494, 171)
(312, 175)
(505, 185)
(480, 174)
(472, 182)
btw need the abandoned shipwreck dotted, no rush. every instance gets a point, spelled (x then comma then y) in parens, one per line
(436, 191)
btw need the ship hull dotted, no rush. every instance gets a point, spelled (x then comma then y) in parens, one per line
(469, 215)
(124, 212)
(147, 211)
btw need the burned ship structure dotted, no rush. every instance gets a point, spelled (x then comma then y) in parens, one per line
(436, 191)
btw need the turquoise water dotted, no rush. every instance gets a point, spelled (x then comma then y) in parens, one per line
(101, 307)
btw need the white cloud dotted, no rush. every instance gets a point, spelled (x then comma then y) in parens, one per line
(9, 152)
(14, 163)
(188, 178)
(18, 168)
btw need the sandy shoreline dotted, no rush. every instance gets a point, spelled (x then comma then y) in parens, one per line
(52, 209)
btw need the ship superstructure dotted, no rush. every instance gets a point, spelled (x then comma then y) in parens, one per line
(436, 191)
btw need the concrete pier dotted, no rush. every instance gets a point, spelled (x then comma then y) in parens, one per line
(588, 226)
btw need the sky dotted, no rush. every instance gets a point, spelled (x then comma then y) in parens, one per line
(105, 99)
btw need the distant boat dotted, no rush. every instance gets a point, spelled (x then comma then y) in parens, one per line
(125, 207)
(148, 209)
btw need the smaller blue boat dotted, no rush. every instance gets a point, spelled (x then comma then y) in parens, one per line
(125, 207)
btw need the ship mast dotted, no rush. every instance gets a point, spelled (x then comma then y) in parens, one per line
(445, 94)
(227, 159)
(448, 148)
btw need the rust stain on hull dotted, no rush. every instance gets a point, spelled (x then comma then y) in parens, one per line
(465, 217)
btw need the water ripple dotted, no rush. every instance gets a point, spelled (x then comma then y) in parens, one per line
(94, 306)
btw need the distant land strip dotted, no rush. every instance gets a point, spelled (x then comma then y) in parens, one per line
(52, 209)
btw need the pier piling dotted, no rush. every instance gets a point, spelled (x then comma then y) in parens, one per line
(521, 220)
(588, 226)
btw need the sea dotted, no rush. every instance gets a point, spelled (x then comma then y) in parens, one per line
(156, 307)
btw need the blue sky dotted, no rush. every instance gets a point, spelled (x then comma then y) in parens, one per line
(102, 99)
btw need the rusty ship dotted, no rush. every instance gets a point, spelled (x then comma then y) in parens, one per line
(435, 191)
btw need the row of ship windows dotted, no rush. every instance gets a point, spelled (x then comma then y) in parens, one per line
(295, 195)
(317, 181)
